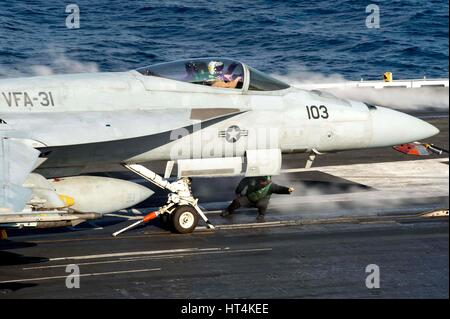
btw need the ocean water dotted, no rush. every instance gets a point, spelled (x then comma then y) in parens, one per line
(306, 40)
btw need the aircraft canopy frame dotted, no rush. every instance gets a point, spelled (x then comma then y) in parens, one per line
(215, 72)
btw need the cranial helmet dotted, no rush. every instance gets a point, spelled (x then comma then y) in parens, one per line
(265, 180)
(215, 67)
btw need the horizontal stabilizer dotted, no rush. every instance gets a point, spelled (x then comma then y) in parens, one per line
(17, 160)
(14, 197)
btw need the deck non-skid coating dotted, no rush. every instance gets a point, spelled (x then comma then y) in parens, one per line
(292, 262)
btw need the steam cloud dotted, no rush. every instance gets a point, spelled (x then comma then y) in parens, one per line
(306, 200)
(60, 63)
(398, 98)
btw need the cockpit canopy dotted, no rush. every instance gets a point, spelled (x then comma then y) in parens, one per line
(215, 72)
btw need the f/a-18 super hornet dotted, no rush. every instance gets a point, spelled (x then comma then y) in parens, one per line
(205, 117)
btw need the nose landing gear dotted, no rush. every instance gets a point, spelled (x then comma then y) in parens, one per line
(181, 208)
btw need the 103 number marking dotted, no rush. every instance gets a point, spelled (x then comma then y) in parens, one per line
(316, 112)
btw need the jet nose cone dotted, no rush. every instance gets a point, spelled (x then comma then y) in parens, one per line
(391, 128)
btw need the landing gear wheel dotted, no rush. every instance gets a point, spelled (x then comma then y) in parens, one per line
(185, 219)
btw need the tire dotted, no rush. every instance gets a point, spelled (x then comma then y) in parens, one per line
(185, 219)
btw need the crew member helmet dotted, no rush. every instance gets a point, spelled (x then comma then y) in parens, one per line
(215, 67)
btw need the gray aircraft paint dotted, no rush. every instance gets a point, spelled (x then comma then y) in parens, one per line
(117, 117)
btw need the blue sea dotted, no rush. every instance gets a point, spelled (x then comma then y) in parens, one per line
(294, 38)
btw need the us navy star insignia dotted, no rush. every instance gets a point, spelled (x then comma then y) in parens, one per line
(233, 134)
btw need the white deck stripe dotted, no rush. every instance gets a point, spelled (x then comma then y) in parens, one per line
(123, 260)
(99, 262)
(81, 275)
(206, 253)
(134, 253)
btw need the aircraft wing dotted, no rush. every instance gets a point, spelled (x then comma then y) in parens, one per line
(17, 160)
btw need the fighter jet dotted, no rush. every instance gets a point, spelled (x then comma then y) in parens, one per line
(204, 117)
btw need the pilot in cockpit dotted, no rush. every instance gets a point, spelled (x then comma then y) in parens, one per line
(217, 77)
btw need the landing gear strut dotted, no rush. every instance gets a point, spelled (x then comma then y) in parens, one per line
(181, 207)
(311, 158)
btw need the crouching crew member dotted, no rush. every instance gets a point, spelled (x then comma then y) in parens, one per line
(255, 192)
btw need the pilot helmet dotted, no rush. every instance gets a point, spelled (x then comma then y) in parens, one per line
(215, 67)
